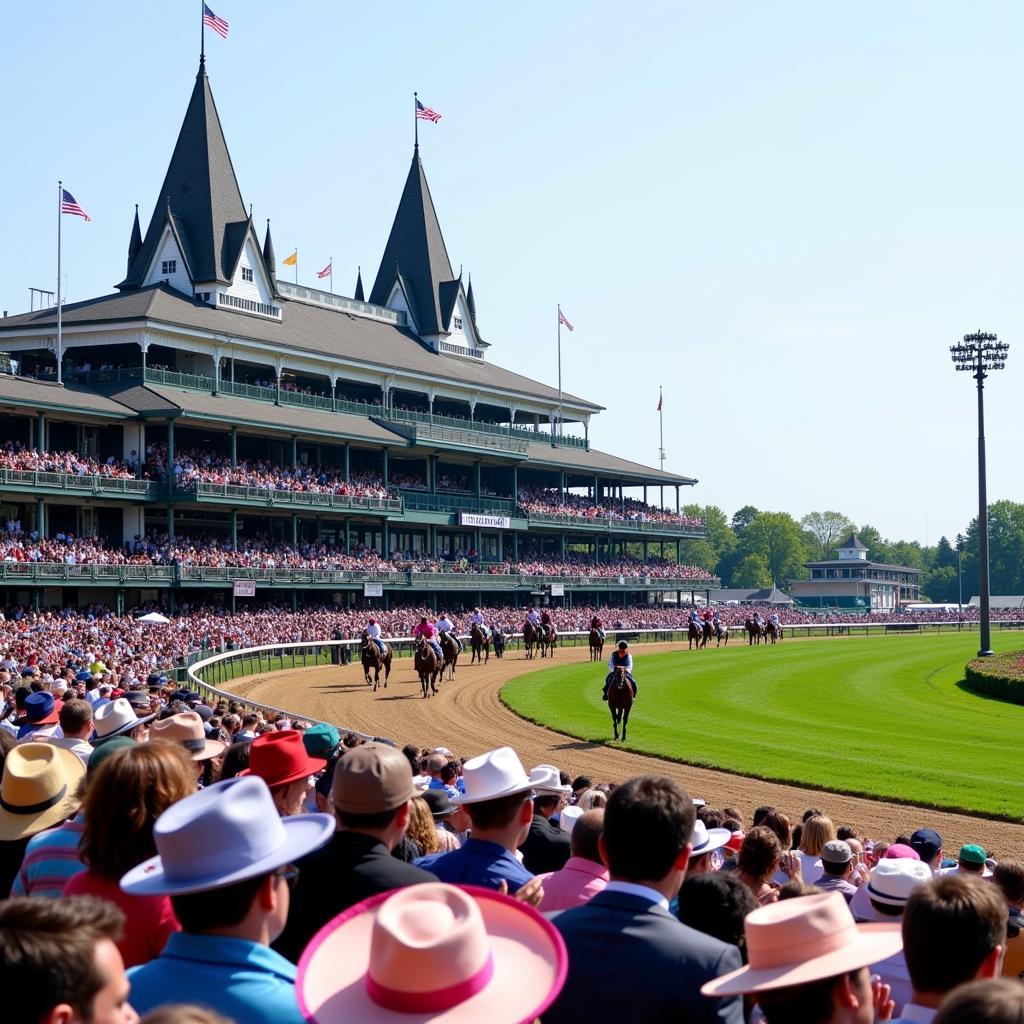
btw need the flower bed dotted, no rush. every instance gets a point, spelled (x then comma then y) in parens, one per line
(1000, 676)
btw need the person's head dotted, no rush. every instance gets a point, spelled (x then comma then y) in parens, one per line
(585, 839)
(995, 1001)
(59, 963)
(435, 765)
(281, 760)
(236, 760)
(891, 883)
(818, 830)
(505, 820)
(971, 859)
(837, 859)
(716, 903)
(927, 843)
(422, 827)
(780, 824)
(371, 790)
(759, 854)
(648, 823)
(761, 813)
(1009, 878)
(954, 930)
(76, 719)
(125, 796)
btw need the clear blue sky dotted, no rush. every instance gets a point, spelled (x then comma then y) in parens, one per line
(782, 213)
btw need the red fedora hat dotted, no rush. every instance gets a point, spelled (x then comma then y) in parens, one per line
(279, 758)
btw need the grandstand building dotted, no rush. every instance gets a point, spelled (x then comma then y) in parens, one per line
(203, 358)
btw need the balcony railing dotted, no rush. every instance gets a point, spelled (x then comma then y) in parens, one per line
(502, 430)
(59, 572)
(71, 483)
(305, 499)
(425, 501)
(608, 524)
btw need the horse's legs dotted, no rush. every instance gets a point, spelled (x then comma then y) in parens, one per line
(625, 722)
(615, 722)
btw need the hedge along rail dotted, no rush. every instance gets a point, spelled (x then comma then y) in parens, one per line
(221, 667)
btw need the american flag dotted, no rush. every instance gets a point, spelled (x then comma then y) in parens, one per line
(562, 320)
(219, 25)
(68, 204)
(426, 114)
(326, 272)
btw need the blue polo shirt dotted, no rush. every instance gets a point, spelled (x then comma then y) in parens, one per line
(242, 980)
(477, 862)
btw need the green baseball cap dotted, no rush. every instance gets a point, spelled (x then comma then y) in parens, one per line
(321, 740)
(104, 750)
(973, 854)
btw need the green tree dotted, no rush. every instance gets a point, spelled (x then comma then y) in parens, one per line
(828, 529)
(778, 539)
(878, 549)
(742, 518)
(752, 571)
(940, 584)
(700, 552)
(1005, 549)
(945, 556)
(719, 534)
(909, 553)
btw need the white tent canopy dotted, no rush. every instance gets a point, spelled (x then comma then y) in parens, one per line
(154, 619)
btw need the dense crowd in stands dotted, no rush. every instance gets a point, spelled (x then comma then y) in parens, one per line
(551, 501)
(201, 844)
(16, 456)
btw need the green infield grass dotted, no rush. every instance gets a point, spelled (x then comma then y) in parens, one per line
(881, 716)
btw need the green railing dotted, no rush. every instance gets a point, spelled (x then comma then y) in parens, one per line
(121, 375)
(59, 572)
(284, 577)
(177, 379)
(93, 484)
(482, 426)
(634, 581)
(425, 501)
(304, 499)
(607, 524)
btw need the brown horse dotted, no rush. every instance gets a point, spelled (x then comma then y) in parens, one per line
(548, 636)
(620, 701)
(772, 632)
(372, 659)
(480, 642)
(721, 633)
(450, 648)
(428, 666)
(695, 635)
(755, 631)
(596, 645)
(531, 638)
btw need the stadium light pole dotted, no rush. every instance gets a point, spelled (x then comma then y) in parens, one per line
(961, 543)
(979, 354)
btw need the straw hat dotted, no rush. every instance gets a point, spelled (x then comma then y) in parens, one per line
(187, 729)
(432, 952)
(809, 938)
(38, 789)
(115, 718)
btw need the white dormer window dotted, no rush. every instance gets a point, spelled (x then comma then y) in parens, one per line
(246, 273)
(458, 323)
(168, 267)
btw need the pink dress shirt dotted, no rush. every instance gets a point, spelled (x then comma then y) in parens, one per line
(574, 885)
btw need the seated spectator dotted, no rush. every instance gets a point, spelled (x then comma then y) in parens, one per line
(186, 730)
(706, 843)
(808, 963)
(817, 831)
(281, 761)
(1009, 879)
(837, 869)
(546, 846)
(1000, 1001)
(59, 962)
(371, 793)
(130, 790)
(76, 728)
(584, 874)
(630, 960)
(422, 835)
(118, 718)
(954, 930)
(927, 844)
(224, 858)
(971, 860)
(757, 863)
(717, 903)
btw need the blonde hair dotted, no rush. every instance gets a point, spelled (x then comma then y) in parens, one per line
(422, 830)
(818, 831)
(590, 799)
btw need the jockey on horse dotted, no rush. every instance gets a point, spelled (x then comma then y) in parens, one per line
(477, 619)
(373, 632)
(621, 658)
(426, 630)
(596, 623)
(533, 617)
(446, 627)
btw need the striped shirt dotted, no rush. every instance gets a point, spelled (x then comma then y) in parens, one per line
(51, 858)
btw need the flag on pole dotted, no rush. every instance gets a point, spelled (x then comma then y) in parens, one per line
(219, 25)
(290, 261)
(68, 204)
(659, 399)
(562, 319)
(426, 114)
(326, 272)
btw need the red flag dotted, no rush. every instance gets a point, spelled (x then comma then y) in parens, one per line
(327, 271)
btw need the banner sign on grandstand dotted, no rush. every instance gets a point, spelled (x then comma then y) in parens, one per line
(488, 522)
(558, 590)
(243, 588)
(373, 590)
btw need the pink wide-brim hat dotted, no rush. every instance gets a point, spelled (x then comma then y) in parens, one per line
(805, 939)
(432, 954)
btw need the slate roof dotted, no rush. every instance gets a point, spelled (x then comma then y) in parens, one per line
(594, 462)
(417, 252)
(201, 191)
(770, 595)
(853, 541)
(19, 392)
(999, 601)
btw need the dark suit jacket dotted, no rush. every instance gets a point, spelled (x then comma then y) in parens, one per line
(546, 848)
(350, 868)
(632, 962)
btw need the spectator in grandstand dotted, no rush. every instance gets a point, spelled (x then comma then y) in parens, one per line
(129, 791)
(1000, 1001)
(41, 719)
(1009, 879)
(371, 792)
(76, 727)
(817, 831)
(837, 869)
(499, 803)
(705, 843)
(626, 931)
(716, 903)
(422, 834)
(281, 761)
(584, 874)
(186, 730)
(38, 791)
(971, 860)
(59, 962)
(757, 861)
(546, 846)
(118, 718)
(927, 844)
(954, 931)
(444, 814)
(808, 962)
(225, 859)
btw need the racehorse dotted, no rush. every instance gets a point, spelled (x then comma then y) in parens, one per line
(547, 641)
(755, 631)
(721, 634)
(773, 631)
(695, 634)
(428, 666)
(479, 641)
(450, 649)
(531, 638)
(371, 658)
(499, 642)
(620, 700)
(596, 645)
(707, 632)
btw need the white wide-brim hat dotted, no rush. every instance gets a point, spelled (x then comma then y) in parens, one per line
(432, 953)
(115, 718)
(497, 774)
(705, 839)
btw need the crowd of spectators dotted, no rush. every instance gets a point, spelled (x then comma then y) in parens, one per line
(16, 456)
(551, 501)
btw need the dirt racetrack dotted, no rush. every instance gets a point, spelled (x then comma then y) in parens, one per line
(468, 718)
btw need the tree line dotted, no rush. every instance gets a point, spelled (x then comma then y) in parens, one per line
(761, 549)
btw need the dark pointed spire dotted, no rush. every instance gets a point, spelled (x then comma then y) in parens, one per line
(416, 242)
(359, 296)
(471, 302)
(269, 260)
(136, 240)
(201, 188)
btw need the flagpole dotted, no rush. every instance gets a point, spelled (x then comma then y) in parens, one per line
(661, 440)
(415, 123)
(60, 326)
(297, 266)
(202, 31)
(558, 425)
(332, 275)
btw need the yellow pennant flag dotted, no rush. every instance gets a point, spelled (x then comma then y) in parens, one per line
(291, 260)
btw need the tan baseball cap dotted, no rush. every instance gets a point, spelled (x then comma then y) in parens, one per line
(372, 779)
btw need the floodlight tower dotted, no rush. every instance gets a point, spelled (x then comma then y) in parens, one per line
(979, 354)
